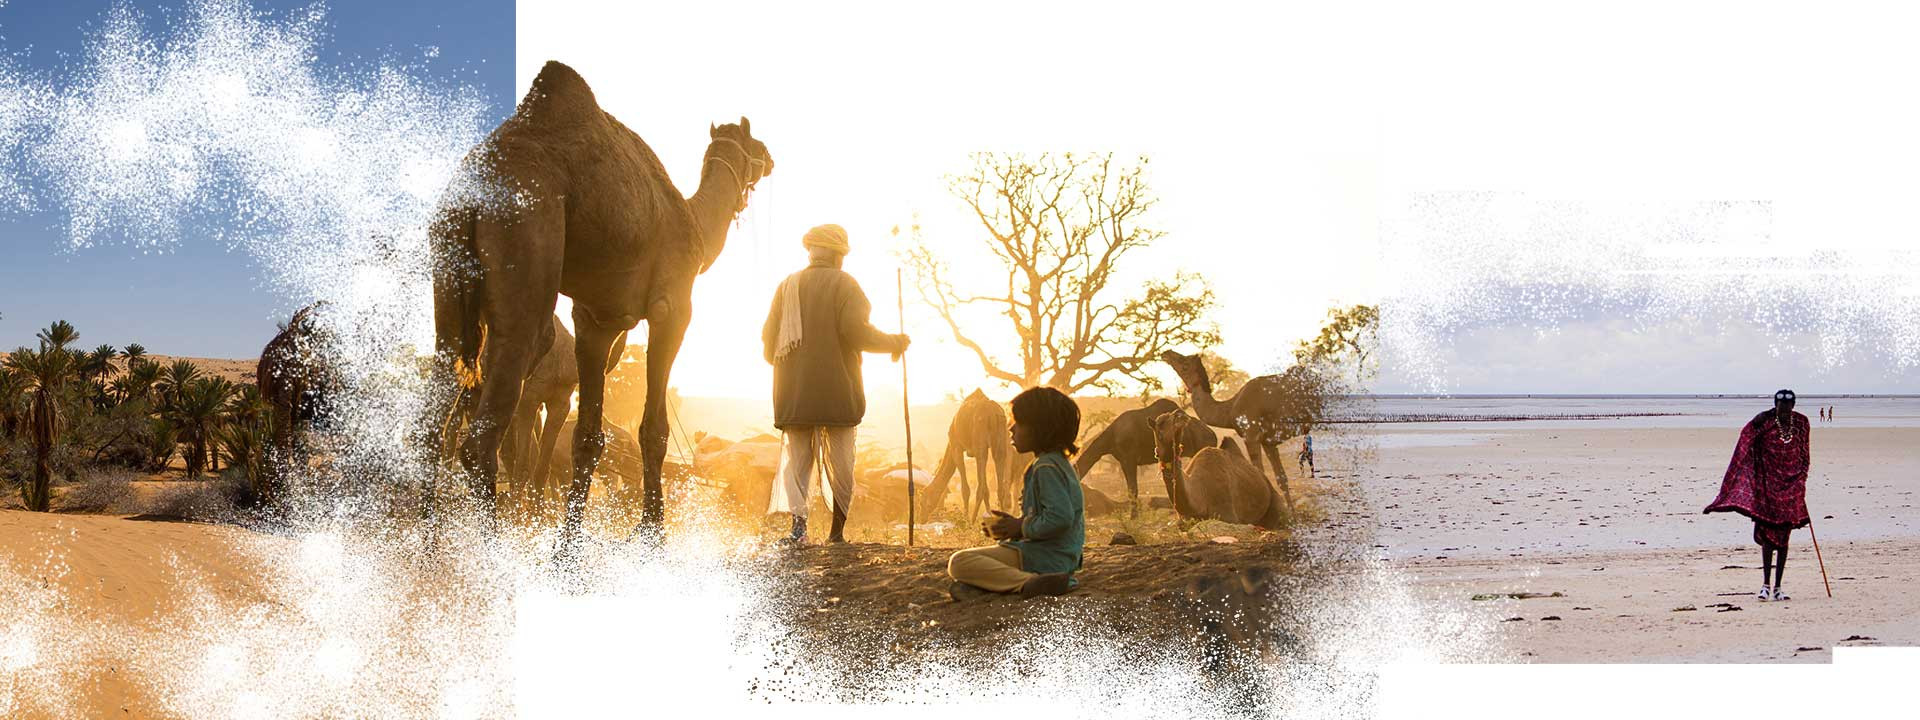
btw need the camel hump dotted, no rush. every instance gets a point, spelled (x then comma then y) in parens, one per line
(559, 91)
(1232, 447)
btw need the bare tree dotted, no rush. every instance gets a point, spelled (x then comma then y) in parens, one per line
(1061, 225)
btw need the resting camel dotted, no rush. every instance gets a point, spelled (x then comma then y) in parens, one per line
(1264, 412)
(596, 218)
(528, 449)
(1219, 483)
(979, 431)
(295, 382)
(1130, 441)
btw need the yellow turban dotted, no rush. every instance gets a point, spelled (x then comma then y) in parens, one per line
(830, 237)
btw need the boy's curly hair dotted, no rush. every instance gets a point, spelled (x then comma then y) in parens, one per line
(1054, 417)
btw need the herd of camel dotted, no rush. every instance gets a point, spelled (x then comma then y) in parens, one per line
(1218, 482)
(574, 203)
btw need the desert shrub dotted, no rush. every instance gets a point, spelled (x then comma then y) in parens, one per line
(217, 500)
(102, 490)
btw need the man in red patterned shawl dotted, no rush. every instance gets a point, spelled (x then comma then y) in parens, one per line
(1767, 481)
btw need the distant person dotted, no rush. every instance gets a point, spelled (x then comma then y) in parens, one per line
(1306, 453)
(1039, 551)
(1767, 481)
(813, 337)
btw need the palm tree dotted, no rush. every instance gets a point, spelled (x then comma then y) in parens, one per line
(13, 400)
(135, 353)
(99, 363)
(59, 335)
(139, 382)
(196, 412)
(175, 379)
(242, 442)
(47, 371)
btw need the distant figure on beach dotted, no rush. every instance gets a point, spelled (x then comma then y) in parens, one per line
(814, 334)
(1039, 551)
(1306, 453)
(1767, 481)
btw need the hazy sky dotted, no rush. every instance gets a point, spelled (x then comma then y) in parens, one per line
(195, 297)
(1286, 141)
(1292, 147)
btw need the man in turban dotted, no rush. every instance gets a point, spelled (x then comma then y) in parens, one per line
(1767, 481)
(813, 337)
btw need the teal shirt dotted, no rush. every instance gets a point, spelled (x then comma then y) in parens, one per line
(1053, 517)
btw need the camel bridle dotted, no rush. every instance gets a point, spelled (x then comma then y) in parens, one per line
(747, 159)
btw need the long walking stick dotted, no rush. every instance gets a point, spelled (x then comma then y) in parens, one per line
(1816, 556)
(906, 411)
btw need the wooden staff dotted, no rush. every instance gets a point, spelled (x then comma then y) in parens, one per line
(1816, 556)
(906, 411)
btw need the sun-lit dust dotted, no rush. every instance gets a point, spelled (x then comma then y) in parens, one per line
(1455, 262)
(361, 608)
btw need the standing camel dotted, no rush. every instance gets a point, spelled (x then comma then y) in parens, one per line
(1129, 439)
(528, 449)
(296, 383)
(594, 217)
(978, 430)
(1219, 483)
(1264, 412)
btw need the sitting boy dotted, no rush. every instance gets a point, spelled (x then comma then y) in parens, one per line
(1038, 552)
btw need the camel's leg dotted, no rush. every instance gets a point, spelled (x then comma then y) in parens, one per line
(506, 358)
(980, 474)
(1002, 463)
(516, 450)
(969, 495)
(1256, 452)
(666, 328)
(1132, 474)
(557, 407)
(589, 439)
(1272, 451)
(280, 458)
(522, 283)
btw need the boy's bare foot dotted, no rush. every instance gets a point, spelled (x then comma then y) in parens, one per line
(962, 592)
(1048, 584)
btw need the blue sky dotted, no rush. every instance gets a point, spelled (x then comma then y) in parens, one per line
(196, 298)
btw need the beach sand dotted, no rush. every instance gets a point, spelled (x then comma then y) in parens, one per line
(1611, 519)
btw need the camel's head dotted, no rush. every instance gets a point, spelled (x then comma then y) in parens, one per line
(734, 148)
(1190, 370)
(1167, 429)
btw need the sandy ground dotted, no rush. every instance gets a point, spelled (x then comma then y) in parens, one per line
(123, 573)
(1611, 519)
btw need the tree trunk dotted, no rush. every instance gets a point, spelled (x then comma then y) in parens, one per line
(39, 494)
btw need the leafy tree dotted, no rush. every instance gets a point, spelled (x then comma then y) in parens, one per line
(1348, 338)
(1062, 226)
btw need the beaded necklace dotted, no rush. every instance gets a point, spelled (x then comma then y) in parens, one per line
(1786, 433)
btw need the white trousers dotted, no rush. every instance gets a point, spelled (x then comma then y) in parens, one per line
(803, 446)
